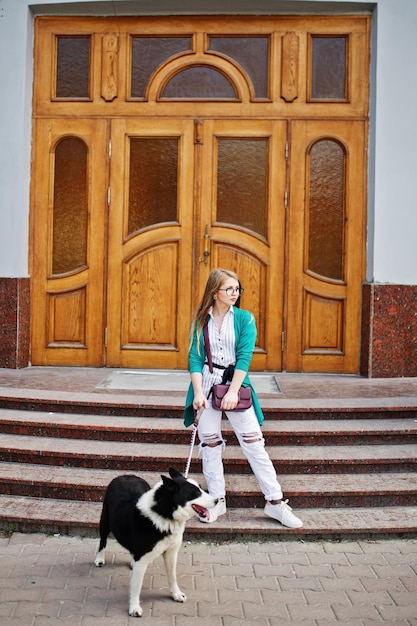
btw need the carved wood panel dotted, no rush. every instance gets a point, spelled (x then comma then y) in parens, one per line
(290, 61)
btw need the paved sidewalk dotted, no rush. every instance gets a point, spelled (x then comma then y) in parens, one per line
(47, 580)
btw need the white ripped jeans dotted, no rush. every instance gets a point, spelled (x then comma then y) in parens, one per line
(251, 440)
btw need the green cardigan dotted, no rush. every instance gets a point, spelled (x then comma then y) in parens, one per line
(245, 334)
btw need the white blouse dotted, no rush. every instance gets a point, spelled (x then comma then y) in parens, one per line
(222, 347)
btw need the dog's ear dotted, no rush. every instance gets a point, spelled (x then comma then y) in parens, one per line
(169, 484)
(174, 473)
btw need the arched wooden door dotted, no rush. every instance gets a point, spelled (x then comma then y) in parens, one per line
(326, 234)
(174, 146)
(187, 196)
(69, 225)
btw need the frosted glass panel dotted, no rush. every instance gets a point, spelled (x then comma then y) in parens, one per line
(70, 217)
(73, 68)
(242, 183)
(252, 54)
(199, 82)
(329, 68)
(327, 209)
(152, 181)
(148, 53)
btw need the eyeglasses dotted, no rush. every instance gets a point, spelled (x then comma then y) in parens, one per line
(230, 291)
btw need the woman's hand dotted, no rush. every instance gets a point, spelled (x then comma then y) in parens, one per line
(200, 401)
(198, 415)
(230, 400)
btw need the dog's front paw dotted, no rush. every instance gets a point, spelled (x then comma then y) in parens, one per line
(179, 596)
(135, 610)
(99, 562)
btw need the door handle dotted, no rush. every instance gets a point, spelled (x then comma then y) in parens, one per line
(206, 253)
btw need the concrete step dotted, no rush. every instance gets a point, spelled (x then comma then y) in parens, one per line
(152, 457)
(168, 430)
(348, 464)
(26, 514)
(171, 404)
(305, 491)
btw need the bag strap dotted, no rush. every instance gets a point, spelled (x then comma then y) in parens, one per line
(207, 347)
(208, 355)
(228, 371)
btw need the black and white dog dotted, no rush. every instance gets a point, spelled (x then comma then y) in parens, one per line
(149, 522)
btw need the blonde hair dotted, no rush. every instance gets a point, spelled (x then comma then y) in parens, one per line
(214, 282)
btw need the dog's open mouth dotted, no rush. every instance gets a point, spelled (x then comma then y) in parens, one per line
(200, 510)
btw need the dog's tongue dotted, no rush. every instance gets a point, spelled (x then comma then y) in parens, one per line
(200, 510)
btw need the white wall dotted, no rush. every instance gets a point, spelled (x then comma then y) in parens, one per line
(15, 103)
(395, 246)
(392, 251)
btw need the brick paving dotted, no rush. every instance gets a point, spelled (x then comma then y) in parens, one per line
(47, 580)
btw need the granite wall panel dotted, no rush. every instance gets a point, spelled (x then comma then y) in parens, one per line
(389, 331)
(14, 322)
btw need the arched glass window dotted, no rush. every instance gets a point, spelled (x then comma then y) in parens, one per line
(199, 82)
(326, 211)
(70, 211)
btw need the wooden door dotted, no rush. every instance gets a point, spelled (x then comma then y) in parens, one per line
(68, 224)
(326, 245)
(243, 181)
(188, 196)
(150, 242)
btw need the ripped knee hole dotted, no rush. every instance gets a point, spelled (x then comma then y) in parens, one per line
(211, 441)
(251, 437)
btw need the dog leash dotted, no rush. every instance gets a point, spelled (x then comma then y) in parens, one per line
(192, 442)
(190, 454)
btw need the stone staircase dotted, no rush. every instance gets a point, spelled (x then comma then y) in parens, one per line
(348, 472)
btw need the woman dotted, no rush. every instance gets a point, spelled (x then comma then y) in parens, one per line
(232, 335)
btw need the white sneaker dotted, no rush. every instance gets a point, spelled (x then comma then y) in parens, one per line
(215, 512)
(282, 513)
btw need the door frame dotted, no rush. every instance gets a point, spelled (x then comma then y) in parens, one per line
(288, 97)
